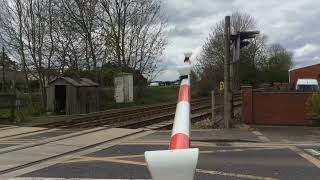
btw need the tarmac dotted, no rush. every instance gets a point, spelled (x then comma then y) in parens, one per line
(259, 152)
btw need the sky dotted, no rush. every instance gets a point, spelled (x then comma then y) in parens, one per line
(292, 23)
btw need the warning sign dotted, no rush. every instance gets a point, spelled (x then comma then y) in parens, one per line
(221, 85)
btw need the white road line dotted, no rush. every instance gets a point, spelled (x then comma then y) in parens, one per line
(313, 152)
(264, 139)
(257, 133)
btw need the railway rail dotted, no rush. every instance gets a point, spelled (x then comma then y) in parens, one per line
(133, 117)
(125, 117)
(143, 119)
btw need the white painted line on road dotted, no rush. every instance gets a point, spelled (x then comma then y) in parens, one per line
(73, 156)
(264, 139)
(257, 133)
(261, 136)
(313, 152)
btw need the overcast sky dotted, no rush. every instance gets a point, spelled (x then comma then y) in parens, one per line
(295, 24)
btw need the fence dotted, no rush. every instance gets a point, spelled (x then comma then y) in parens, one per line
(7, 107)
(274, 108)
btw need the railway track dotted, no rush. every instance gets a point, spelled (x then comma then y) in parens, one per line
(127, 116)
(145, 118)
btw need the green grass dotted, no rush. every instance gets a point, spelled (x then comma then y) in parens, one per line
(4, 113)
(160, 94)
(151, 95)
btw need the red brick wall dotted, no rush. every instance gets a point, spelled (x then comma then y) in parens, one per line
(246, 95)
(312, 72)
(274, 108)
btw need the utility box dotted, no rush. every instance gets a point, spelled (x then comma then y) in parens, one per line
(123, 88)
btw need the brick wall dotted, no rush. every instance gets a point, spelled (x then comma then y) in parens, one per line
(310, 72)
(274, 108)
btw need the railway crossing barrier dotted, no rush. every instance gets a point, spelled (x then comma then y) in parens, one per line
(180, 161)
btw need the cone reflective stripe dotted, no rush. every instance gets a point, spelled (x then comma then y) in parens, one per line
(178, 163)
(181, 126)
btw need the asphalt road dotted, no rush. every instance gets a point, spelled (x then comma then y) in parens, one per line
(262, 153)
(219, 162)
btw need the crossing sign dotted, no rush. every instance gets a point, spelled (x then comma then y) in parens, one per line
(221, 85)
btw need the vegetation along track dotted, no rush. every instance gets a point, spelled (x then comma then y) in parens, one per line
(134, 117)
(123, 117)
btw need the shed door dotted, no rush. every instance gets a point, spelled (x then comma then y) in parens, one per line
(60, 99)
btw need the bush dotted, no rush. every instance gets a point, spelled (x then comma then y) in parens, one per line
(30, 106)
(313, 106)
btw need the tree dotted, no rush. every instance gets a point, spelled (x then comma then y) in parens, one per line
(12, 31)
(134, 33)
(50, 38)
(210, 62)
(81, 16)
(276, 66)
(259, 63)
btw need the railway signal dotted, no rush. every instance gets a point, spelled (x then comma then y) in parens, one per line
(240, 40)
(180, 161)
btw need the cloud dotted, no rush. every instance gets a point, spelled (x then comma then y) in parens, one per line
(168, 75)
(306, 50)
(293, 24)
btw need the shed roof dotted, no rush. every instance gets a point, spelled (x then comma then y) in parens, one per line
(81, 82)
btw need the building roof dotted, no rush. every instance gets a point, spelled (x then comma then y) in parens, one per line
(305, 66)
(81, 82)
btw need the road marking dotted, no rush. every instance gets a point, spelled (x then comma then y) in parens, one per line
(198, 170)
(234, 175)
(240, 150)
(88, 158)
(264, 139)
(258, 133)
(313, 152)
(261, 136)
(306, 156)
(120, 159)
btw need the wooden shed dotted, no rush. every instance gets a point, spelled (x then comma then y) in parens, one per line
(67, 95)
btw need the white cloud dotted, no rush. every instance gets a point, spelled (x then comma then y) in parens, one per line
(306, 50)
(293, 24)
(168, 75)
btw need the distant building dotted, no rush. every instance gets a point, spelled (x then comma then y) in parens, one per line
(164, 83)
(154, 84)
(306, 72)
(66, 95)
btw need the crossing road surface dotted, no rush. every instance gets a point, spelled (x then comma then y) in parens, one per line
(251, 158)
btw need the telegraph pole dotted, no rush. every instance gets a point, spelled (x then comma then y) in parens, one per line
(3, 70)
(227, 96)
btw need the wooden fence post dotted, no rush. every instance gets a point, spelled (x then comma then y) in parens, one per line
(12, 108)
(213, 104)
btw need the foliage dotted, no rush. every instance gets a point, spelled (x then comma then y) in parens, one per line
(152, 95)
(275, 67)
(50, 38)
(30, 106)
(313, 106)
(259, 63)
